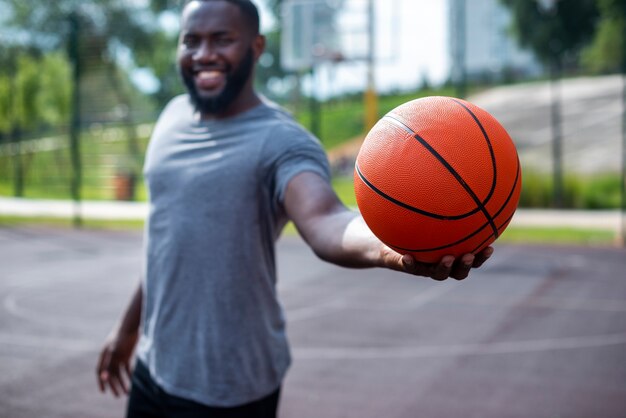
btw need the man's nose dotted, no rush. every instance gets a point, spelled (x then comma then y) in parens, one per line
(205, 52)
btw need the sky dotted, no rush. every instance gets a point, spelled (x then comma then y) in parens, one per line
(423, 43)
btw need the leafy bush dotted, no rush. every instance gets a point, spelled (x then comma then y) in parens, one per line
(593, 191)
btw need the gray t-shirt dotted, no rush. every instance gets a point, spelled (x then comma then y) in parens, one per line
(213, 330)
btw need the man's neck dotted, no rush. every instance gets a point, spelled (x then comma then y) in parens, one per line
(243, 103)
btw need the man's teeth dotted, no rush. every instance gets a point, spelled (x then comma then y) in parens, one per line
(204, 75)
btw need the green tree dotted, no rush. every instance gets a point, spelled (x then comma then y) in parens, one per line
(27, 110)
(557, 34)
(54, 95)
(160, 57)
(269, 66)
(5, 105)
(109, 31)
(605, 54)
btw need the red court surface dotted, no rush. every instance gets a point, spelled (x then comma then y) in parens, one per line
(538, 332)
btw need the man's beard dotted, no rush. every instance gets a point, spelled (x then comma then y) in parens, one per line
(234, 84)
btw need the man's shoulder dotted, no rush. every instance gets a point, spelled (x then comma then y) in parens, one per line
(176, 112)
(283, 123)
(275, 108)
(178, 103)
(177, 108)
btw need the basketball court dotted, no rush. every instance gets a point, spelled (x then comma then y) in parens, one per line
(538, 332)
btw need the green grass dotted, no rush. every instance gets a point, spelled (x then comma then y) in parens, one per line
(117, 224)
(344, 187)
(47, 174)
(542, 235)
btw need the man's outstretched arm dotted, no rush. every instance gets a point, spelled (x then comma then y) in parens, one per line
(340, 236)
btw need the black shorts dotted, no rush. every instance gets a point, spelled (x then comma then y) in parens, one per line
(147, 399)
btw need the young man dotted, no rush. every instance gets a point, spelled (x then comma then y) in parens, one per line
(225, 171)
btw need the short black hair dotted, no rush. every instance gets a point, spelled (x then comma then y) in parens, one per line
(249, 10)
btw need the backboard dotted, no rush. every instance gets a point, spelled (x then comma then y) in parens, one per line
(309, 33)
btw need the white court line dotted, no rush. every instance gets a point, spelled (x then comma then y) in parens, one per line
(10, 304)
(452, 350)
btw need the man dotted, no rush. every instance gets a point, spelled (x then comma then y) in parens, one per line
(225, 171)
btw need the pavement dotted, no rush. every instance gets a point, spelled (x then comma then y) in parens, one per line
(113, 210)
(539, 331)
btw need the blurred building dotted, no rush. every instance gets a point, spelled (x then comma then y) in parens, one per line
(481, 44)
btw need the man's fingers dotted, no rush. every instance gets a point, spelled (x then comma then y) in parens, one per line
(439, 271)
(129, 372)
(123, 383)
(462, 267)
(125, 376)
(113, 385)
(129, 376)
(103, 377)
(408, 263)
(110, 373)
(447, 267)
(482, 256)
(101, 373)
(442, 270)
(111, 381)
(116, 381)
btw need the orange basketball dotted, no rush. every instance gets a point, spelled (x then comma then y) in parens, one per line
(437, 176)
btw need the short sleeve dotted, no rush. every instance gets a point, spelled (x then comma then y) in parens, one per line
(299, 152)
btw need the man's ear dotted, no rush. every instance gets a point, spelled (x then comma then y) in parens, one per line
(258, 46)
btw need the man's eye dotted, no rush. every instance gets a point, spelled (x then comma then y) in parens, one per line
(224, 41)
(190, 41)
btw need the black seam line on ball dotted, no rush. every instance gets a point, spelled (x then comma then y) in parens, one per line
(486, 239)
(401, 125)
(483, 226)
(441, 247)
(452, 171)
(489, 146)
(518, 171)
(399, 203)
(452, 244)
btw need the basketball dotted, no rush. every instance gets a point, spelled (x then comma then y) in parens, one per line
(437, 176)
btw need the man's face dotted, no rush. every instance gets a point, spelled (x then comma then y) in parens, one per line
(216, 55)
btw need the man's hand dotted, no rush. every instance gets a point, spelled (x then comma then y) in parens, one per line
(448, 266)
(113, 369)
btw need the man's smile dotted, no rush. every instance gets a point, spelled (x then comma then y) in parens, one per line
(209, 79)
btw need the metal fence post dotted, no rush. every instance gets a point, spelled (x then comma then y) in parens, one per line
(76, 180)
